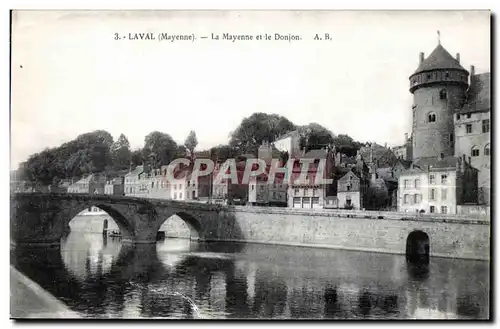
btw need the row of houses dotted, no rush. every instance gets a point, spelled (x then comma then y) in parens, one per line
(376, 179)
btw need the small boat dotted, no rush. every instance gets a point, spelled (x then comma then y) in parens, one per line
(114, 233)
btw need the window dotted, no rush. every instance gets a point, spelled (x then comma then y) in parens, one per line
(444, 194)
(446, 75)
(468, 115)
(428, 76)
(175, 195)
(262, 187)
(432, 179)
(348, 187)
(431, 117)
(444, 178)
(406, 199)
(407, 183)
(253, 187)
(451, 138)
(487, 150)
(296, 191)
(188, 183)
(175, 186)
(458, 116)
(468, 128)
(486, 126)
(417, 183)
(475, 151)
(274, 195)
(180, 195)
(416, 198)
(432, 209)
(442, 93)
(432, 194)
(444, 209)
(152, 184)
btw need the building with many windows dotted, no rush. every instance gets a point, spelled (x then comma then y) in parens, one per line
(262, 192)
(115, 186)
(451, 114)
(309, 193)
(438, 185)
(472, 132)
(93, 184)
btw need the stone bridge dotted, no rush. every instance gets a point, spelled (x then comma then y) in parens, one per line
(44, 218)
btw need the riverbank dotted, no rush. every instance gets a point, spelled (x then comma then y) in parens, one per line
(30, 301)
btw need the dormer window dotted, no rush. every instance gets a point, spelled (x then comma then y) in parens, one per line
(442, 94)
(431, 117)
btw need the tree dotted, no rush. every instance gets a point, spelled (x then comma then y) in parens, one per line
(120, 153)
(191, 142)
(159, 149)
(257, 128)
(136, 158)
(97, 144)
(314, 136)
(222, 152)
(346, 145)
(377, 195)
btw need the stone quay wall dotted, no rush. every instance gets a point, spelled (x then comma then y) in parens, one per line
(449, 236)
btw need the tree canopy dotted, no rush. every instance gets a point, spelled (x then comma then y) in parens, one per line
(191, 142)
(255, 129)
(96, 151)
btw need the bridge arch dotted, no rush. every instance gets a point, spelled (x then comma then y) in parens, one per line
(191, 222)
(121, 221)
(417, 247)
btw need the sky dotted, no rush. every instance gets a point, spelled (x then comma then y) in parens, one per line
(69, 75)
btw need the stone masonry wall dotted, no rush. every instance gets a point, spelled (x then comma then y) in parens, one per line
(461, 238)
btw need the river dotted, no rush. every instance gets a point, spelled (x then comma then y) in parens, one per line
(178, 278)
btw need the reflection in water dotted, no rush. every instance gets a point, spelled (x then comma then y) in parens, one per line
(102, 279)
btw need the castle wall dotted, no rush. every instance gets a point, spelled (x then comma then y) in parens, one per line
(430, 139)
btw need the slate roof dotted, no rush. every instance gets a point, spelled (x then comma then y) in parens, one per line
(440, 58)
(479, 94)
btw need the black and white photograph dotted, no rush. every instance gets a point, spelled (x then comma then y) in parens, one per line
(250, 164)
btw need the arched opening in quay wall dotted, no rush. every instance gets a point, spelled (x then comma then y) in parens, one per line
(417, 247)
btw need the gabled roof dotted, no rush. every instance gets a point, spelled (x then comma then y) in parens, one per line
(348, 174)
(288, 134)
(478, 99)
(406, 163)
(138, 170)
(439, 59)
(435, 163)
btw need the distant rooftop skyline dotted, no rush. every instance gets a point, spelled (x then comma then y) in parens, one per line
(70, 77)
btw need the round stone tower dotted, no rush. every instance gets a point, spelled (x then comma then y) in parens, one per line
(439, 88)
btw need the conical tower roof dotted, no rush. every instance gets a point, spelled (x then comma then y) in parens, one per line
(439, 59)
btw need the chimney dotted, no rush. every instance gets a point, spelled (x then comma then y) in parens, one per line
(421, 57)
(406, 137)
(472, 70)
(469, 160)
(463, 156)
(458, 57)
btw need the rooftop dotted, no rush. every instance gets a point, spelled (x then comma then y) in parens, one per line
(439, 59)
